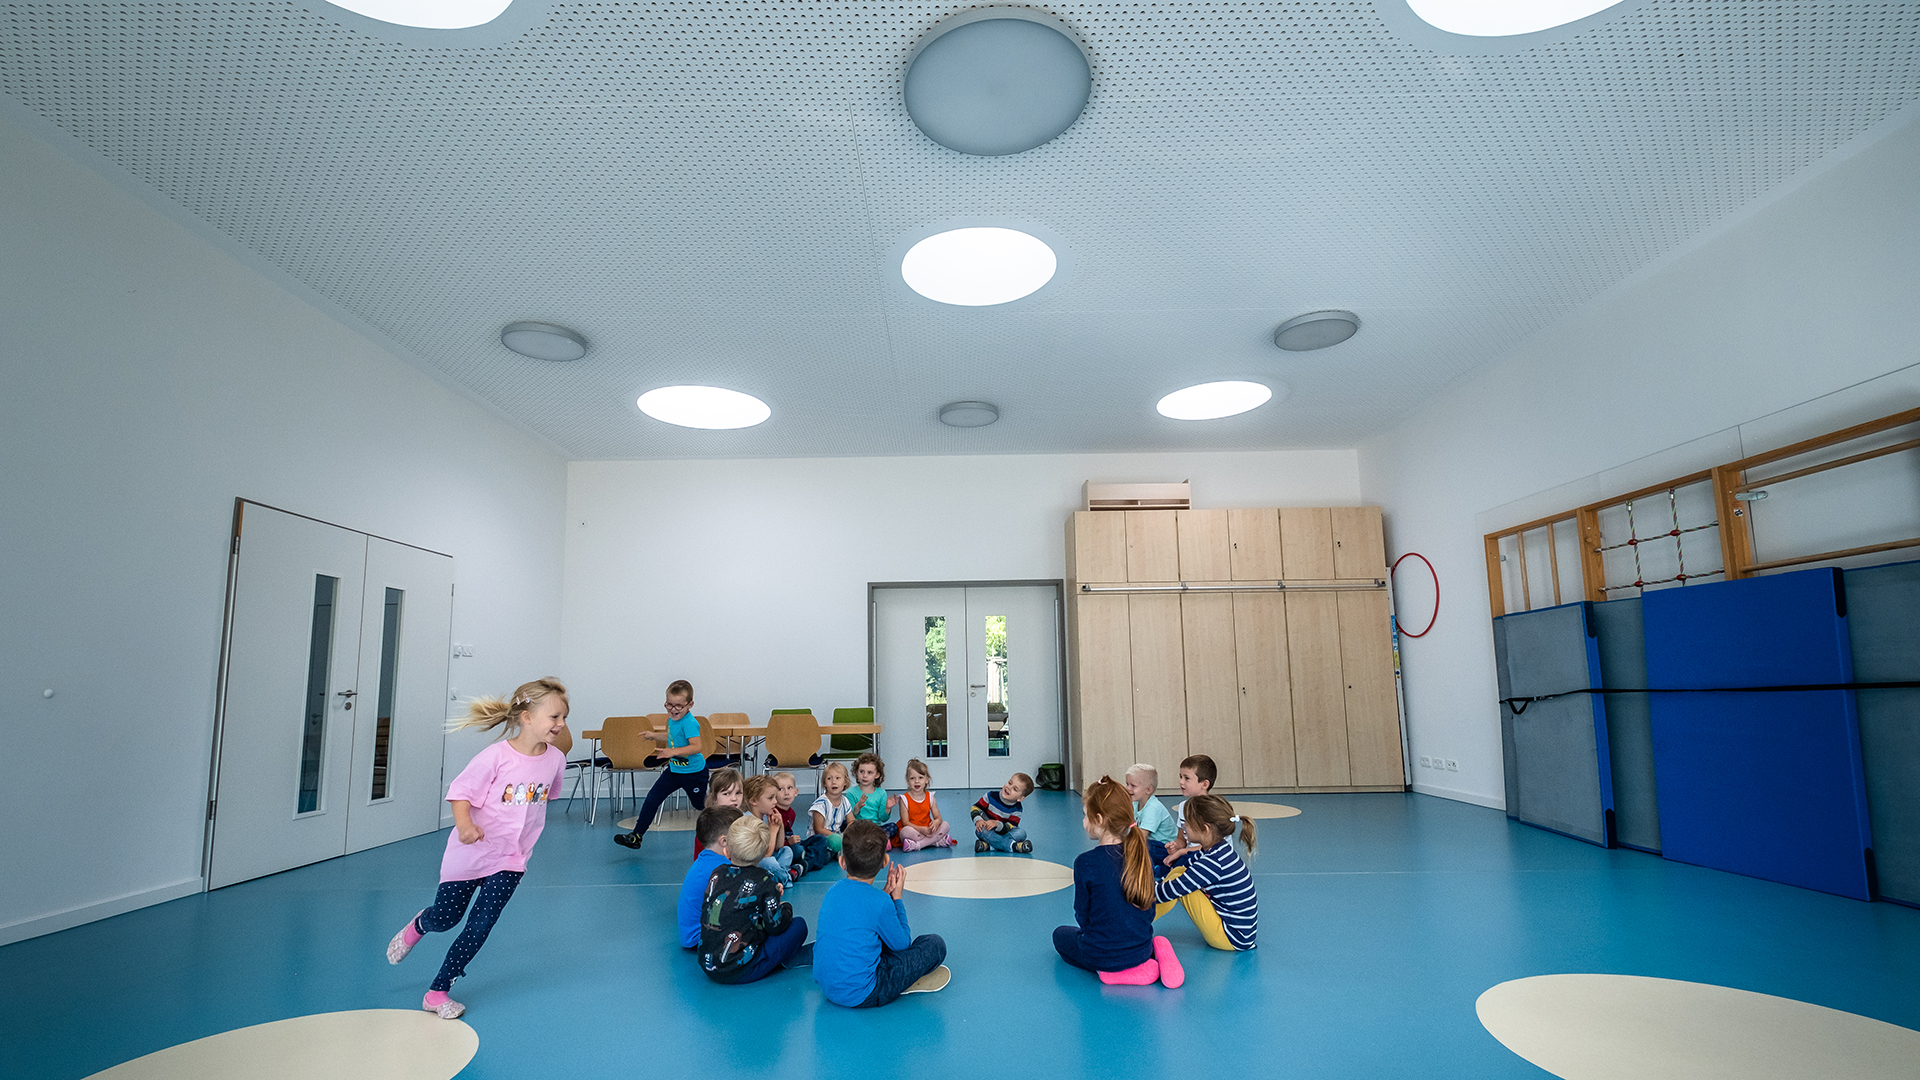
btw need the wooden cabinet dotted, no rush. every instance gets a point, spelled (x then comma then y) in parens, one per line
(1259, 637)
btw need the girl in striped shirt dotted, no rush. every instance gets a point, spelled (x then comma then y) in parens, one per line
(1210, 881)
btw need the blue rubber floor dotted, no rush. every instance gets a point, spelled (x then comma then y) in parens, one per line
(1383, 917)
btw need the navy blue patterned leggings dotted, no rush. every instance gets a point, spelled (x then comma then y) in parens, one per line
(450, 903)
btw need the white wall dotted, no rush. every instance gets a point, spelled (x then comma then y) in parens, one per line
(1801, 319)
(749, 578)
(148, 380)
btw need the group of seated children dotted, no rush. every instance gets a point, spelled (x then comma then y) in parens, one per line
(1144, 862)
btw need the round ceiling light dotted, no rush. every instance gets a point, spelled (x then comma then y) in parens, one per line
(543, 341)
(1504, 18)
(704, 407)
(966, 414)
(978, 267)
(430, 14)
(1211, 401)
(1316, 330)
(997, 81)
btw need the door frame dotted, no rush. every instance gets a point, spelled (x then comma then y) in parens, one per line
(240, 503)
(1059, 587)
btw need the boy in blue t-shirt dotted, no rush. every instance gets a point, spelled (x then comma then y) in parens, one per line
(686, 767)
(712, 831)
(865, 954)
(996, 817)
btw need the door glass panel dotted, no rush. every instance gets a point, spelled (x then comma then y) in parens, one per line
(936, 627)
(313, 735)
(389, 665)
(997, 735)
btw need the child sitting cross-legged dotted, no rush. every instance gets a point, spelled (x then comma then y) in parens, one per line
(710, 832)
(1197, 774)
(870, 801)
(725, 788)
(1147, 811)
(809, 851)
(763, 802)
(996, 817)
(866, 954)
(1113, 899)
(832, 808)
(746, 931)
(1210, 881)
(921, 825)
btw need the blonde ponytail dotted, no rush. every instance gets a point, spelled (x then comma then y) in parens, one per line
(486, 713)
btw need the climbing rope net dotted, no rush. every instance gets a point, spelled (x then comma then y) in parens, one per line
(1643, 541)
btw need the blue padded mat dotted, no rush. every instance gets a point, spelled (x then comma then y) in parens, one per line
(1556, 751)
(1623, 663)
(1764, 784)
(1883, 619)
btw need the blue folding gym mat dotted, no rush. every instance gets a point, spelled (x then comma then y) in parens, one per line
(1555, 751)
(1764, 784)
(1883, 619)
(1623, 663)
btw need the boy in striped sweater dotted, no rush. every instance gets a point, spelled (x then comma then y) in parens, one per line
(996, 817)
(1210, 881)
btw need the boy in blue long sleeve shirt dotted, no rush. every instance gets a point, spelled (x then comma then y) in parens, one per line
(865, 954)
(712, 831)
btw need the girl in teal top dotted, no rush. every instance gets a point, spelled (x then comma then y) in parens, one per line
(870, 802)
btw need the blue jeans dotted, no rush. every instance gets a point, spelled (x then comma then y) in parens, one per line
(693, 783)
(1002, 841)
(815, 852)
(774, 953)
(777, 864)
(899, 970)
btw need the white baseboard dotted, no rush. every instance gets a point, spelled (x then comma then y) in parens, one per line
(1492, 802)
(105, 909)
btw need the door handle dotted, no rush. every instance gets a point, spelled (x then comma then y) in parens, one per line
(349, 695)
(978, 685)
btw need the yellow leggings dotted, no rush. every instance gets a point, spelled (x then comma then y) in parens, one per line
(1200, 910)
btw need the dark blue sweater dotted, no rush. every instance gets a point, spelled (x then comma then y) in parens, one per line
(1115, 934)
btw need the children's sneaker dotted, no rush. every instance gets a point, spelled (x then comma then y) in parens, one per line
(1023, 847)
(404, 941)
(627, 839)
(441, 1005)
(979, 846)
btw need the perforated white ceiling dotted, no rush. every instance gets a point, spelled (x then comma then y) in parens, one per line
(709, 190)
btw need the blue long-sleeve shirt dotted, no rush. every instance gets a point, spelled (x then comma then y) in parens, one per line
(1115, 934)
(692, 891)
(856, 919)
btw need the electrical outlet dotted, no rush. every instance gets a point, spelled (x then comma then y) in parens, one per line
(1426, 762)
(462, 650)
(1452, 765)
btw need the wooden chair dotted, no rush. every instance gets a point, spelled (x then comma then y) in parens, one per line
(793, 742)
(627, 750)
(728, 719)
(848, 747)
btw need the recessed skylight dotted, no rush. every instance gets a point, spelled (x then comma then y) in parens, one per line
(430, 14)
(708, 407)
(1504, 18)
(1211, 401)
(978, 267)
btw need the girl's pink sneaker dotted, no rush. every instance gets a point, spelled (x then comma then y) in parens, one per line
(439, 1004)
(404, 941)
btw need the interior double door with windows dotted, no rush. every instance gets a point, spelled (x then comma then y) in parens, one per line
(330, 737)
(967, 679)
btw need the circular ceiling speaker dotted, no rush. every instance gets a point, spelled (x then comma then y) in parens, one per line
(543, 341)
(997, 81)
(969, 414)
(1316, 330)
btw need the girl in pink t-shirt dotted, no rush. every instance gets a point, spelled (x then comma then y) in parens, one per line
(499, 807)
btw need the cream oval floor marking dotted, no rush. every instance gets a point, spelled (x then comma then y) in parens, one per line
(1603, 1027)
(671, 821)
(366, 1044)
(988, 877)
(1264, 810)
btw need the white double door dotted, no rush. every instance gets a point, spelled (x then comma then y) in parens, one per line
(968, 681)
(330, 738)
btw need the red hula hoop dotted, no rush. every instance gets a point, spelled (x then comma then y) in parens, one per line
(1436, 591)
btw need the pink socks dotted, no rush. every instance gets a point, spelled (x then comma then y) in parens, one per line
(1171, 973)
(1144, 973)
(438, 1003)
(404, 941)
(1163, 968)
(411, 934)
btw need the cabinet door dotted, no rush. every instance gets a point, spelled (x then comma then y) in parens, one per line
(1205, 552)
(1266, 691)
(1103, 686)
(1319, 692)
(1159, 684)
(1373, 714)
(1213, 683)
(1254, 536)
(1306, 543)
(1359, 547)
(1097, 546)
(1153, 545)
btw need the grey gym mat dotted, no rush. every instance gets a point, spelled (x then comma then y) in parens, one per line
(1623, 662)
(1883, 621)
(1557, 761)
